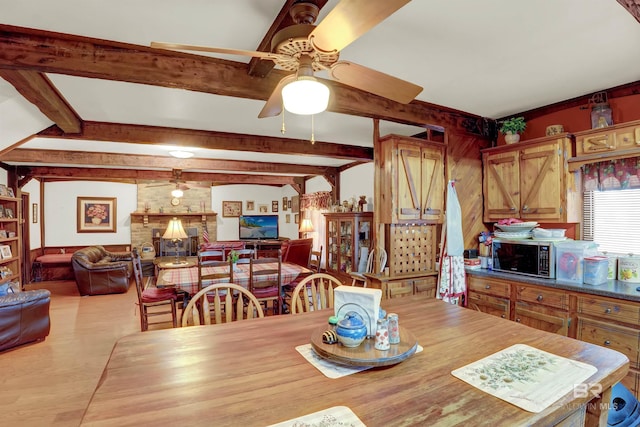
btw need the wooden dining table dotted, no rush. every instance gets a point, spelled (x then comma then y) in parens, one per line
(249, 373)
(186, 279)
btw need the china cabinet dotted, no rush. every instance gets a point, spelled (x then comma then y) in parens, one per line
(531, 181)
(412, 177)
(10, 250)
(348, 233)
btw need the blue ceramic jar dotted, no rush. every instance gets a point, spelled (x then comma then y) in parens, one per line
(351, 330)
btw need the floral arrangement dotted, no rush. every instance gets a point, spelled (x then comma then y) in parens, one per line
(233, 256)
(97, 211)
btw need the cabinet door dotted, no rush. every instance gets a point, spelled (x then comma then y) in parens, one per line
(399, 288)
(541, 182)
(489, 304)
(501, 186)
(426, 286)
(346, 229)
(409, 182)
(543, 318)
(432, 179)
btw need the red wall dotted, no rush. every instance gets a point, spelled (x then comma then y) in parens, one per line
(624, 109)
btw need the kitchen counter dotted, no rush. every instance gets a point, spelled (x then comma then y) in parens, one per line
(612, 289)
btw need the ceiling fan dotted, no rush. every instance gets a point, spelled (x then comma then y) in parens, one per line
(179, 183)
(305, 48)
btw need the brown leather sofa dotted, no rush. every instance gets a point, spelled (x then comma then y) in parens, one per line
(24, 317)
(100, 272)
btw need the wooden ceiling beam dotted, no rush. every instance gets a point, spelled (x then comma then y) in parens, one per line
(136, 175)
(153, 135)
(39, 90)
(632, 6)
(50, 52)
(35, 156)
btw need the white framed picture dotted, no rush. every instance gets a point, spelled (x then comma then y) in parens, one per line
(5, 251)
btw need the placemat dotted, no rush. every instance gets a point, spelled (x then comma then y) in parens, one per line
(337, 416)
(524, 376)
(328, 368)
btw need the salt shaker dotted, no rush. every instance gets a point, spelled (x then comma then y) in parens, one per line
(382, 335)
(394, 328)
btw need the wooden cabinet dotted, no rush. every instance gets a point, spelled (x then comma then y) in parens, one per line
(10, 249)
(404, 284)
(613, 324)
(611, 139)
(347, 234)
(413, 180)
(489, 296)
(531, 181)
(542, 308)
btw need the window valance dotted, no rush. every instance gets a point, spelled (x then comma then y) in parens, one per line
(617, 174)
(320, 201)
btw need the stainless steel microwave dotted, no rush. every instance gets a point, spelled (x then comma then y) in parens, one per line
(528, 257)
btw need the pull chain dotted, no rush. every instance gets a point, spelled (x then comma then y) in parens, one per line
(283, 130)
(313, 138)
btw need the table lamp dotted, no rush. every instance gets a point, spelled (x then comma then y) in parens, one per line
(306, 226)
(175, 232)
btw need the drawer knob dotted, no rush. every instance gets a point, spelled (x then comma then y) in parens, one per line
(487, 287)
(504, 316)
(518, 320)
(607, 343)
(607, 311)
(539, 298)
(525, 208)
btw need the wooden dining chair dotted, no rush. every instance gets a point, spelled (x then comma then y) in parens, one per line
(358, 278)
(315, 260)
(244, 255)
(213, 305)
(211, 255)
(266, 282)
(205, 276)
(153, 301)
(314, 292)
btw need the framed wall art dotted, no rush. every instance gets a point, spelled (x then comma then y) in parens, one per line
(284, 203)
(295, 204)
(97, 214)
(250, 205)
(231, 209)
(34, 212)
(274, 206)
(263, 208)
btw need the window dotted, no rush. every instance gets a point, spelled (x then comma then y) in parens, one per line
(612, 220)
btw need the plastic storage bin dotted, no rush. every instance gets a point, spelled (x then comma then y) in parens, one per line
(570, 257)
(596, 270)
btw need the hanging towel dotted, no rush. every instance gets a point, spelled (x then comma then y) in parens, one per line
(451, 281)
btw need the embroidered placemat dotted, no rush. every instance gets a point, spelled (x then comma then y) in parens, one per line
(337, 416)
(524, 376)
(331, 369)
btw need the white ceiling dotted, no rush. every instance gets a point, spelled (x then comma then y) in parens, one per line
(491, 58)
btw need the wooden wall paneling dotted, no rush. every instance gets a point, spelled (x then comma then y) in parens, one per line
(464, 165)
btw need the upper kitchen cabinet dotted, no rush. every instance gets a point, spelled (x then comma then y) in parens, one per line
(412, 180)
(608, 143)
(530, 180)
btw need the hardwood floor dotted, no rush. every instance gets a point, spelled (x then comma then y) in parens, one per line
(50, 383)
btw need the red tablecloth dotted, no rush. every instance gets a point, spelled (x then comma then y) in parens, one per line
(187, 278)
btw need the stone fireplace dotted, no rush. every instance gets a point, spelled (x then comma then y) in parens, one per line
(148, 227)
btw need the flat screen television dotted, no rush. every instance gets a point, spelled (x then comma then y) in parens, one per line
(258, 227)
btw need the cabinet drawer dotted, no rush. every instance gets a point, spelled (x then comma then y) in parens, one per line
(399, 289)
(605, 141)
(619, 311)
(619, 338)
(544, 296)
(426, 285)
(487, 286)
(628, 138)
(489, 304)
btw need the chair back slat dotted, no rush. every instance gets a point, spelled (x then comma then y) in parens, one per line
(220, 303)
(314, 292)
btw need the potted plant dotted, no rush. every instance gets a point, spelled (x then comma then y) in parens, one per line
(512, 128)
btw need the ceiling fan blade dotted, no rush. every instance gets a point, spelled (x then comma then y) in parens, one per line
(156, 185)
(375, 82)
(273, 107)
(252, 53)
(349, 20)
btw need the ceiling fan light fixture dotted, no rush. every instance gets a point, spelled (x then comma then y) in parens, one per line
(181, 154)
(305, 95)
(177, 193)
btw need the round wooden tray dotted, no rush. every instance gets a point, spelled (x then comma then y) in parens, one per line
(365, 354)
